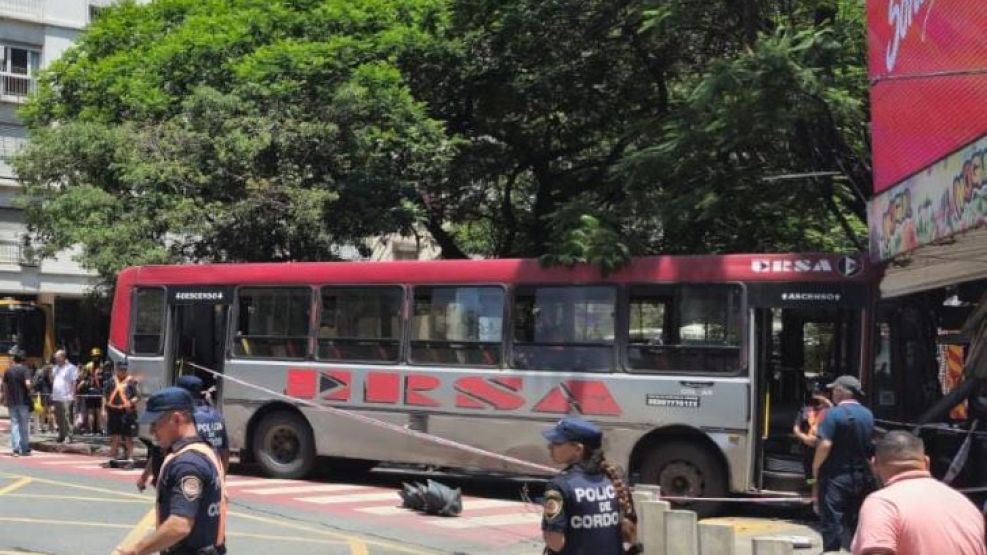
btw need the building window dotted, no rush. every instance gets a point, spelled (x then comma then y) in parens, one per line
(95, 11)
(18, 70)
(12, 138)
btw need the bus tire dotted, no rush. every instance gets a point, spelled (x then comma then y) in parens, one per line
(283, 446)
(684, 469)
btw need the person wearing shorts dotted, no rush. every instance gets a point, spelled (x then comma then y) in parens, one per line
(121, 396)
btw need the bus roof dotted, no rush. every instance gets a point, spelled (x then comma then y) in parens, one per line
(704, 268)
(804, 268)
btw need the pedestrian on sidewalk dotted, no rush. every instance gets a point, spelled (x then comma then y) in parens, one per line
(121, 412)
(915, 514)
(841, 464)
(190, 502)
(42, 388)
(90, 391)
(63, 375)
(15, 391)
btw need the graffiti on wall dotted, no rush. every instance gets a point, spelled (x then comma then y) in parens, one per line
(948, 197)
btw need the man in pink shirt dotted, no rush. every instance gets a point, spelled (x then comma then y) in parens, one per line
(915, 514)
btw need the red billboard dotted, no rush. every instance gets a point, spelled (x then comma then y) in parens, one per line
(928, 71)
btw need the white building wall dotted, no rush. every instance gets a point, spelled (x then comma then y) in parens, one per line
(38, 32)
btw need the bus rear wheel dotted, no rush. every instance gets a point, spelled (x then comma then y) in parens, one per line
(686, 470)
(283, 446)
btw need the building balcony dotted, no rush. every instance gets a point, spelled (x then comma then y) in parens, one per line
(23, 9)
(16, 87)
(14, 254)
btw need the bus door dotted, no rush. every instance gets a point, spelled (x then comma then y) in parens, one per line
(198, 323)
(804, 335)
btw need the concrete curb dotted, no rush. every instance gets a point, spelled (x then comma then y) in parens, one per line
(70, 448)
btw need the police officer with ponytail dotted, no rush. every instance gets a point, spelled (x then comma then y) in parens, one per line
(588, 508)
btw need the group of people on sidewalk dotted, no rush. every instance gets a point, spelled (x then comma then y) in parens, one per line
(21, 391)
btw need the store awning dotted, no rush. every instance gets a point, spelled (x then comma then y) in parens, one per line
(962, 257)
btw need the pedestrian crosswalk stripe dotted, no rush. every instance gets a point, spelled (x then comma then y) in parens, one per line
(468, 505)
(483, 521)
(477, 504)
(65, 462)
(259, 482)
(356, 498)
(387, 510)
(314, 488)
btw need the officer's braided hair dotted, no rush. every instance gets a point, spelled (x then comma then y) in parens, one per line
(594, 461)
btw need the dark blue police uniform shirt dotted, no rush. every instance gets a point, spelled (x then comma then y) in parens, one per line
(589, 515)
(211, 426)
(850, 426)
(190, 487)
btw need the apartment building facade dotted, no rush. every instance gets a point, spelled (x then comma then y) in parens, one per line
(33, 33)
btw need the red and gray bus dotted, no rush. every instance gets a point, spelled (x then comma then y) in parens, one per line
(695, 366)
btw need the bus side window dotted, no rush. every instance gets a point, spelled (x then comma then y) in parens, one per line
(149, 311)
(360, 324)
(457, 325)
(272, 322)
(564, 328)
(689, 328)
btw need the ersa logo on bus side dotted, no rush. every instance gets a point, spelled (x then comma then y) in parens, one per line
(503, 393)
(847, 266)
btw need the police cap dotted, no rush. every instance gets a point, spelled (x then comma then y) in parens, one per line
(192, 384)
(165, 400)
(575, 429)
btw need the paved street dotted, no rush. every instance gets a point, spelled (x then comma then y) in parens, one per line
(66, 503)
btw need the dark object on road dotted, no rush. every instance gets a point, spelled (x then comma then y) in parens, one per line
(413, 496)
(434, 498)
(442, 500)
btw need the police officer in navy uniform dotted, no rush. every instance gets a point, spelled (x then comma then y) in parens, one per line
(191, 504)
(209, 423)
(208, 420)
(587, 509)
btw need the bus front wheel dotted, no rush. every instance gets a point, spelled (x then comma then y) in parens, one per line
(683, 469)
(283, 445)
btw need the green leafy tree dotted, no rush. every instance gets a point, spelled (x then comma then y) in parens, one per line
(579, 131)
(245, 130)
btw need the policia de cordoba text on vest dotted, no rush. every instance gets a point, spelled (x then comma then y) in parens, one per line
(607, 515)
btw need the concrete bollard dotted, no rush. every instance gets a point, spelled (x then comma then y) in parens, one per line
(639, 495)
(772, 546)
(651, 526)
(649, 487)
(681, 537)
(716, 539)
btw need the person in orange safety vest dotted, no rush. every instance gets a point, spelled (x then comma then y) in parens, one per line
(121, 396)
